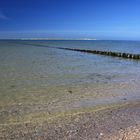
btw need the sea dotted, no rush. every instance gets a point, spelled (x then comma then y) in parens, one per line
(36, 76)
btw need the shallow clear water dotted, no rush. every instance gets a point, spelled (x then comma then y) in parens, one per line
(26, 65)
(32, 73)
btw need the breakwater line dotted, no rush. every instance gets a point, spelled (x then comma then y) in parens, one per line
(105, 53)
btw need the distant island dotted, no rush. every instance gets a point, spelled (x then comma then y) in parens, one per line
(57, 38)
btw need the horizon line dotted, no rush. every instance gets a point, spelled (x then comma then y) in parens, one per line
(51, 39)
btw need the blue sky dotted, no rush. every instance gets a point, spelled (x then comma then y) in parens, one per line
(101, 19)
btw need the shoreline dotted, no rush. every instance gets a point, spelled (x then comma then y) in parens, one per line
(113, 123)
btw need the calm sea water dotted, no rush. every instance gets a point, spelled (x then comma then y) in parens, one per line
(34, 63)
(34, 72)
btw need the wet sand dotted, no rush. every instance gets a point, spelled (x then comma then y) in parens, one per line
(114, 123)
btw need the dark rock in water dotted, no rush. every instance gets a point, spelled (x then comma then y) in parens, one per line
(12, 86)
(70, 91)
(124, 99)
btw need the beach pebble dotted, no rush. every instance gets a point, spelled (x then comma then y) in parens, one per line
(19, 103)
(101, 134)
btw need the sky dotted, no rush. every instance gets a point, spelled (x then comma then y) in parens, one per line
(100, 19)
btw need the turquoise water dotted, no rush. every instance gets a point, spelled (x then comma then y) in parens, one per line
(34, 75)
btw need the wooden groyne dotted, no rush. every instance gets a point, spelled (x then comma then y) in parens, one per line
(106, 53)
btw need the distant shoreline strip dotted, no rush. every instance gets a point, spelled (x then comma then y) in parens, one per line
(106, 53)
